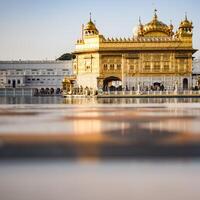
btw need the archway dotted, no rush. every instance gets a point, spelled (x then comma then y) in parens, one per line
(185, 84)
(156, 86)
(42, 91)
(14, 83)
(112, 83)
(36, 91)
(52, 91)
(58, 91)
(47, 91)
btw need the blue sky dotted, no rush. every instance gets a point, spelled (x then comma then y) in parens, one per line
(45, 29)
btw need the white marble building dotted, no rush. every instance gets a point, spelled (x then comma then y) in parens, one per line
(196, 73)
(34, 74)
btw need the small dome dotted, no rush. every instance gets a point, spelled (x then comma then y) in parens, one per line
(186, 23)
(90, 28)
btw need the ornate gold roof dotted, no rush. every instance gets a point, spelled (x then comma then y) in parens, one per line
(156, 28)
(186, 23)
(90, 27)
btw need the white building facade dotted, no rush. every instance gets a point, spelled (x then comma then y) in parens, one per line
(196, 73)
(40, 75)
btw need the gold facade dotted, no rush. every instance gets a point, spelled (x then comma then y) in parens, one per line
(155, 54)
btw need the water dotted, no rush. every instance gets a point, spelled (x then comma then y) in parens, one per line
(61, 100)
(102, 149)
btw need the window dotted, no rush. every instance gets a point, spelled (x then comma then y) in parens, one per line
(34, 71)
(112, 67)
(119, 67)
(18, 81)
(9, 82)
(166, 67)
(157, 67)
(105, 67)
(131, 67)
(147, 67)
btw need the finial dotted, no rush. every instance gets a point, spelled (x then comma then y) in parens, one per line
(90, 16)
(140, 23)
(155, 14)
(185, 15)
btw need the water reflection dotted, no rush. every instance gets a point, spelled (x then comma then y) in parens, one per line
(93, 101)
(102, 130)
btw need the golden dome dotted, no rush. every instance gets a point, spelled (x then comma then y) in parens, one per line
(90, 28)
(157, 28)
(186, 23)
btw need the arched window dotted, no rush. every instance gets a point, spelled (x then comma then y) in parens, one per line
(112, 66)
(118, 66)
(185, 84)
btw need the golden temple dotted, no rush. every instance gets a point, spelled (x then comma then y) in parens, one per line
(154, 58)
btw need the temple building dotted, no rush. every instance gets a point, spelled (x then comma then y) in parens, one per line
(154, 58)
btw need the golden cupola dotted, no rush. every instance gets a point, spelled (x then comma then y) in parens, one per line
(90, 28)
(156, 28)
(185, 27)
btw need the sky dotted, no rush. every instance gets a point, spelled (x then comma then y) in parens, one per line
(45, 29)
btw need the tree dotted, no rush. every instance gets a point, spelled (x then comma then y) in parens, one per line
(66, 56)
